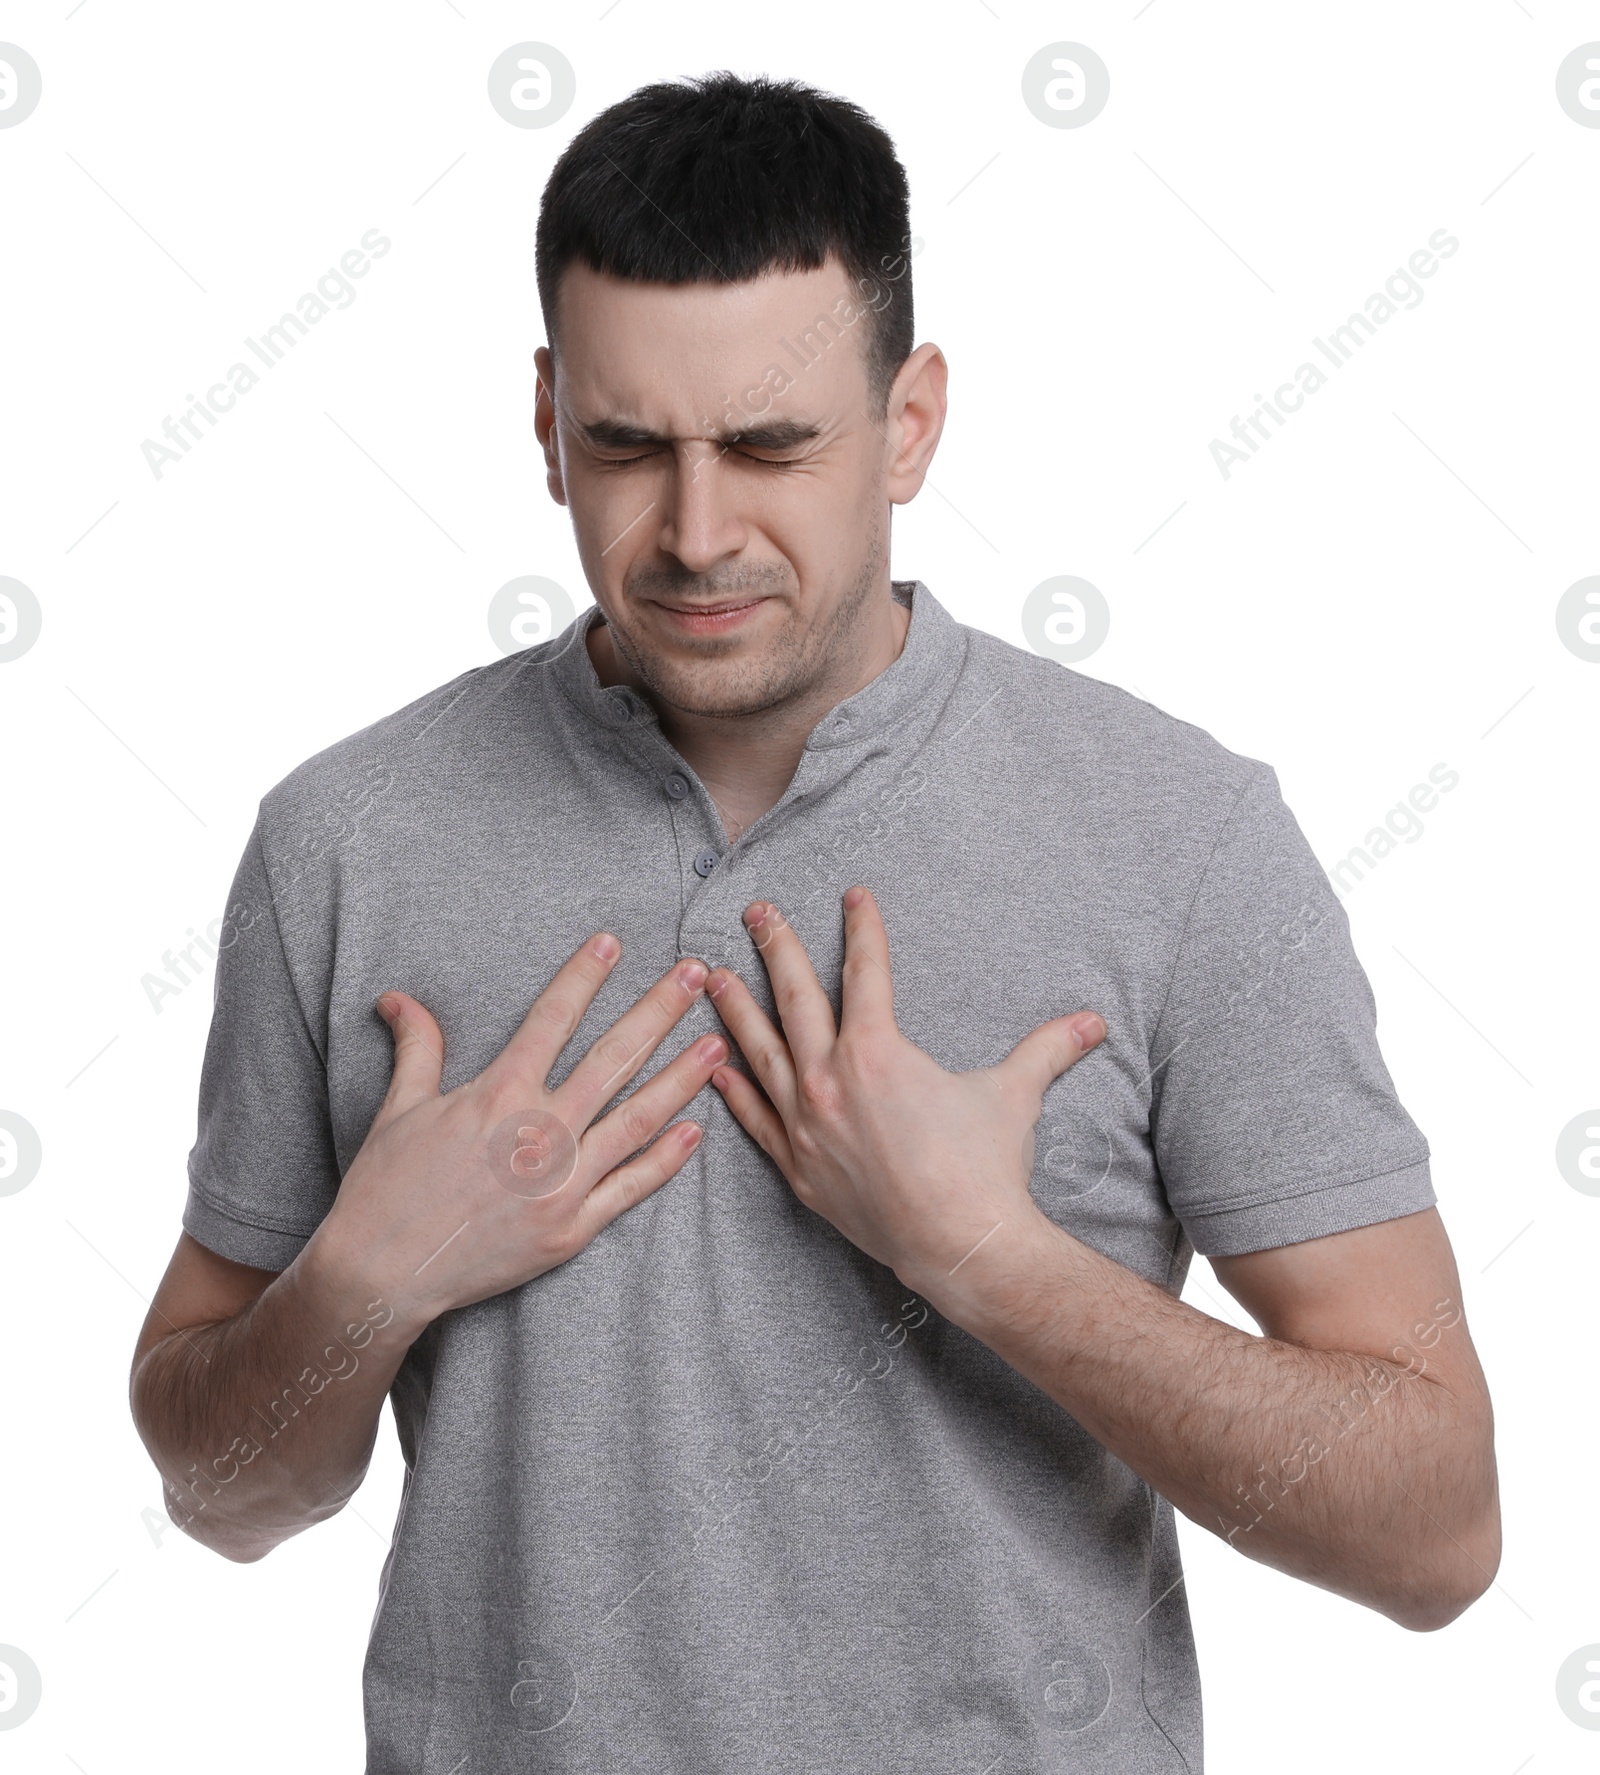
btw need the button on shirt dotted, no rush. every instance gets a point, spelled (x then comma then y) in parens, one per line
(719, 1494)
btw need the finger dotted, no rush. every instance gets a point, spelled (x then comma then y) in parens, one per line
(866, 999)
(527, 1058)
(642, 1114)
(617, 1055)
(629, 1184)
(762, 1045)
(418, 1052)
(1046, 1052)
(802, 1005)
(756, 1116)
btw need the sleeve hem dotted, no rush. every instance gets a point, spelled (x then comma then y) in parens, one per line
(1229, 1230)
(222, 1230)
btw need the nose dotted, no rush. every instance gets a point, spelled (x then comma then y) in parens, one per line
(700, 525)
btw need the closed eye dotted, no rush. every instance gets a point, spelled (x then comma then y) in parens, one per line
(764, 461)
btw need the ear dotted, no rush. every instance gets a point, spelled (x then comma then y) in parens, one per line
(915, 420)
(544, 422)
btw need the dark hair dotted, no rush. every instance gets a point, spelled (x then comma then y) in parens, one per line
(722, 177)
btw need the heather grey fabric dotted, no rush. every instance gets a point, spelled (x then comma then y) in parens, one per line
(718, 1495)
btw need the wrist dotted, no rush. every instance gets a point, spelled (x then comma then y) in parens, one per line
(1000, 1284)
(345, 1289)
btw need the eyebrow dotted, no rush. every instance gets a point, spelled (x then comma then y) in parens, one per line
(778, 434)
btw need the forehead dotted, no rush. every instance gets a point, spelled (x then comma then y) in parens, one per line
(681, 352)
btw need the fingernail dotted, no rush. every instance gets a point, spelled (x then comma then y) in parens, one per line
(757, 917)
(1088, 1028)
(607, 948)
(692, 974)
(713, 1048)
(388, 1004)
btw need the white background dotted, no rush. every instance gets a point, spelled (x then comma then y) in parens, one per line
(1372, 594)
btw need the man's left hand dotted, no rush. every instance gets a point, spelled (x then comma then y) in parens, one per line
(917, 1166)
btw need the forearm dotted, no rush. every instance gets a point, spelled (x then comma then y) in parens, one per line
(1355, 1473)
(263, 1424)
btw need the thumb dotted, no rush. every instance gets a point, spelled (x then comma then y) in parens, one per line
(418, 1051)
(1046, 1052)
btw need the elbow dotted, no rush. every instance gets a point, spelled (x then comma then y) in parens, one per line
(240, 1554)
(1428, 1616)
(1449, 1594)
(233, 1546)
(1468, 1551)
(221, 1532)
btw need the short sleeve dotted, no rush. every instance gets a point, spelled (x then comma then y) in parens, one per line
(1273, 1116)
(263, 1171)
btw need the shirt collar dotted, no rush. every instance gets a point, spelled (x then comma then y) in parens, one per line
(932, 649)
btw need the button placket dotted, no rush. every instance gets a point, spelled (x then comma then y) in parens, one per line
(693, 824)
(713, 915)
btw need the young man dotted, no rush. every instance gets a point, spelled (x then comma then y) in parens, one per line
(842, 1425)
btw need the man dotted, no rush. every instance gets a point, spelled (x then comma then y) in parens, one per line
(841, 1426)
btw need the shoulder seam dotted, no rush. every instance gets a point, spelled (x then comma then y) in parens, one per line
(283, 947)
(1259, 775)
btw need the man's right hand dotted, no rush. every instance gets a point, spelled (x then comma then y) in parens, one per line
(456, 1197)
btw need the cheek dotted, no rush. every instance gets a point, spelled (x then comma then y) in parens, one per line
(820, 528)
(606, 521)
(846, 509)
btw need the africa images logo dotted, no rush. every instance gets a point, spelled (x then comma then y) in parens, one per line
(333, 290)
(1401, 289)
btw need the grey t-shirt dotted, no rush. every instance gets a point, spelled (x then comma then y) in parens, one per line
(718, 1494)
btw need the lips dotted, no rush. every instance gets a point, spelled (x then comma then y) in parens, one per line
(708, 609)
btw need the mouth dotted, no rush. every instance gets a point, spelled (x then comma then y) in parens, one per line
(704, 619)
